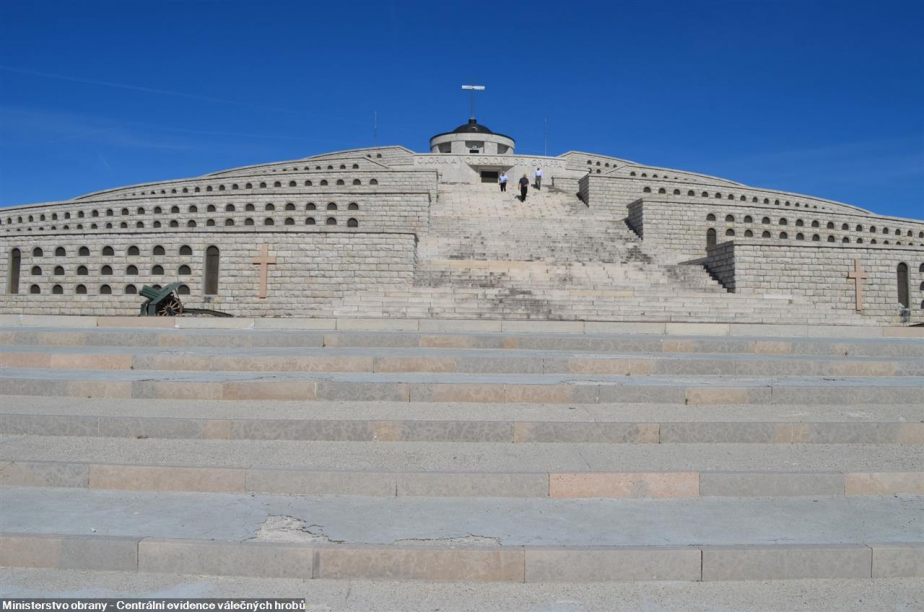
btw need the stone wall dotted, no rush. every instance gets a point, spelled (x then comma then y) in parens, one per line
(819, 272)
(374, 209)
(615, 192)
(681, 226)
(312, 274)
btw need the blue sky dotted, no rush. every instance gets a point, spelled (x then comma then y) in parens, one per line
(822, 98)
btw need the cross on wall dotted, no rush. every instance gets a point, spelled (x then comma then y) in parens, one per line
(263, 260)
(857, 274)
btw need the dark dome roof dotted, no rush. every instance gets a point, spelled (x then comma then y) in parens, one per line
(472, 127)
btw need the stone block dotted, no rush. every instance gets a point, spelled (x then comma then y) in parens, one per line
(107, 389)
(550, 394)
(378, 324)
(884, 483)
(602, 327)
(294, 323)
(766, 330)
(725, 433)
(197, 363)
(214, 323)
(471, 393)
(846, 433)
(627, 563)
(49, 425)
(641, 394)
(25, 360)
(10, 320)
(71, 552)
(179, 390)
(607, 366)
(720, 395)
(460, 341)
(371, 340)
(911, 433)
(175, 428)
(305, 482)
(146, 322)
(898, 560)
(68, 361)
(414, 364)
(579, 433)
(293, 390)
(30, 550)
(33, 386)
(770, 484)
(696, 329)
(459, 325)
(903, 332)
(447, 431)
(28, 320)
(167, 478)
(624, 484)
(44, 474)
(297, 429)
(392, 563)
(215, 558)
(362, 392)
(100, 554)
(770, 347)
(453, 484)
(543, 327)
(787, 562)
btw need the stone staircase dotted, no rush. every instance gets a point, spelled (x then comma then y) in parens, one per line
(490, 256)
(538, 455)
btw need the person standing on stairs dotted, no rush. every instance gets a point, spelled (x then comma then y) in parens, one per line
(502, 179)
(524, 185)
(538, 179)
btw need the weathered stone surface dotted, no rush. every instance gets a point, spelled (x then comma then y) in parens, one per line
(786, 562)
(619, 564)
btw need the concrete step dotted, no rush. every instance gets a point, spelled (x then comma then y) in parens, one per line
(805, 595)
(451, 387)
(476, 539)
(499, 424)
(449, 360)
(462, 469)
(847, 342)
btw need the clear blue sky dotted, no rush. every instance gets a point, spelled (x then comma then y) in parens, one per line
(818, 97)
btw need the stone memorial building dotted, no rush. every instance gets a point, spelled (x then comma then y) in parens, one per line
(387, 232)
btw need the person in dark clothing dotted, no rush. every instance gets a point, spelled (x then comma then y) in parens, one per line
(524, 185)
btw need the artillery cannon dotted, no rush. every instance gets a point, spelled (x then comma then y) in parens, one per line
(165, 302)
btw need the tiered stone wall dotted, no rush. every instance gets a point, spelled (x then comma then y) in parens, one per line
(820, 272)
(617, 192)
(385, 209)
(681, 226)
(313, 271)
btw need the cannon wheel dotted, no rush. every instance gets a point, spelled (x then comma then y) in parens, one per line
(170, 307)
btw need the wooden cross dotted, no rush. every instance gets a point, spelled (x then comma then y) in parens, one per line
(857, 274)
(263, 260)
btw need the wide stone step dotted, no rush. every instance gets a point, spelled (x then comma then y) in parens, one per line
(452, 469)
(461, 596)
(476, 539)
(492, 335)
(447, 360)
(453, 387)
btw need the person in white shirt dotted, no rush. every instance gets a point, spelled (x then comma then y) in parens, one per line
(502, 179)
(538, 178)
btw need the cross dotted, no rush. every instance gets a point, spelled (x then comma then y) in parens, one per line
(263, 260)
(473, 89)
(857, 274)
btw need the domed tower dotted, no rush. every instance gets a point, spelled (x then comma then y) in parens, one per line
(472, 138)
